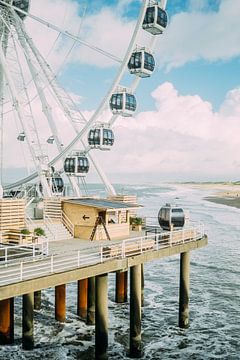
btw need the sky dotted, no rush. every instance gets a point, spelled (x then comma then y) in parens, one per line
(187, 123)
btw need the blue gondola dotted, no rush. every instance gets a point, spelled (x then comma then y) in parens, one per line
(155, 20)
(141, 63)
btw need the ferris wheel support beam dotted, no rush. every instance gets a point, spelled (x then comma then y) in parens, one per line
(63, 32)
(21, 118)
(4, 38)
(51, 80)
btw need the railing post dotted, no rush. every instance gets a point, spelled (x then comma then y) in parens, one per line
(21, 271)
(52, 264)
(157, 241)
(34, 251)
(183, 239)
(6, 249)
(78, 261)
(141, 245)
(123, 249)
(170, 237)
(101, 254)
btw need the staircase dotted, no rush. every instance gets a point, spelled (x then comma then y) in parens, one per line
(55, 224)
(54, 231)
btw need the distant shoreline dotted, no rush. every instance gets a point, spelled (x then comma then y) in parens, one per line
(221, 193)
(229, 201)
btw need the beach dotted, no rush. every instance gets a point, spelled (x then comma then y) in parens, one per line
(225, 194)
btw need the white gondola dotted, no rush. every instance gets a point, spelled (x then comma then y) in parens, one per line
(123, 103)
(50, 140)
(141, 63)
(21, 136)
(76, 164)
(155, 20)
(57, 184)
(171, 217)
(101, 137)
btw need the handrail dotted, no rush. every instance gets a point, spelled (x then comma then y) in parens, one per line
(47, 265)
(14, 253)
(48, 223)
(67, 223)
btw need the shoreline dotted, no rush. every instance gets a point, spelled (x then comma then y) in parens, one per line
(225, 194)
(229, 201)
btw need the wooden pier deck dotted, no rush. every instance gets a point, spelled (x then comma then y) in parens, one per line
(76, 259)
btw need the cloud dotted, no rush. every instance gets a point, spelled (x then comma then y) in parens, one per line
(182, 138)
(204, 35)
(197, 33)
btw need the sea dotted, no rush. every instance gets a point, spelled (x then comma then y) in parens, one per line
(214, 331)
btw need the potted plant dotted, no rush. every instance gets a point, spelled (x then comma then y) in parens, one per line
(25, 234)
(39, 232)
(136, 223)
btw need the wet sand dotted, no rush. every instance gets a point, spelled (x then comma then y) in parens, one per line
(226, 194)
(230, 201)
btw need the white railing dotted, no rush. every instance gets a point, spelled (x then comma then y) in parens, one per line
(49, 225)
(67, 223)
(12, 254)
(11, 273)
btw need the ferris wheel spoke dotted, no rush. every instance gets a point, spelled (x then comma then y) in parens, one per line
(63, 32)
(153, 29)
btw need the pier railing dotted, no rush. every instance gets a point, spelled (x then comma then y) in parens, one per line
(57, 263)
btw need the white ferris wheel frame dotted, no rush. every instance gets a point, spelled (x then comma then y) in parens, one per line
(57, 92)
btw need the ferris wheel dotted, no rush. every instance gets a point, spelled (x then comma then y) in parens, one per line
(24, 72)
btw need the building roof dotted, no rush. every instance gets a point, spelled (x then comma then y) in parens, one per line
(103, 204)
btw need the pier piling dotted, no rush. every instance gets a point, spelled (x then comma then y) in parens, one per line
(121, 286)
(82, 298)
(7, 321)
(101, 333)
(135, 312)
(142, 285)
(60, 303)
(91, 301)
(27, 322)
(37, 300)
(184, 290)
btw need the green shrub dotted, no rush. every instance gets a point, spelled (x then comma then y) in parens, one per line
(136, 221)
(39, 232)
(25, 232)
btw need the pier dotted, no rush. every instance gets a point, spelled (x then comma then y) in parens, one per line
(89, 265)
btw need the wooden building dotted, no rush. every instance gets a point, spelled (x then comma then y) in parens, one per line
(97, 218)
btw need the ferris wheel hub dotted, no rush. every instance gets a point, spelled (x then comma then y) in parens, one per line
(21, 4)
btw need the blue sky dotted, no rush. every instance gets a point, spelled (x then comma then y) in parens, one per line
(209, 79)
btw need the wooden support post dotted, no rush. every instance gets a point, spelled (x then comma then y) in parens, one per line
(142, 285)
(135, 312)
(7, 321)
(60, 303)
(184, 290)
(82, 298)
(37, 300)
(91, 301)
(121, 286)
(101, 332)
(27, 322)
